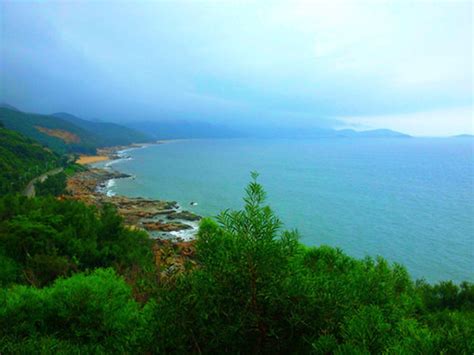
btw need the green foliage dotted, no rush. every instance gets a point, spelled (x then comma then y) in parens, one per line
(258, 290)
(84, 313)
(28, 123)
(54, 185)
(90, 135)
(21, 159)
(71, 169)
(9, 270)
(447, 295)
(47, 238)
(236, 300)
(255, 289)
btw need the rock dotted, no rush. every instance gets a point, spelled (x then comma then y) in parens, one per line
(89, 187)
(185, 215)
(157, 226)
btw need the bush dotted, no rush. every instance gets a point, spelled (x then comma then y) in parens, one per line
(258, 290)
(54, 185)
(46, 238)
(93, 311)
(9, 271)
(255, 289)
(447, 295)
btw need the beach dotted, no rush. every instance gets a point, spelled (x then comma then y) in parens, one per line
(91, 159)
(111, 153)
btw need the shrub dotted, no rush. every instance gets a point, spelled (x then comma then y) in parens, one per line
(46, 238)
(258, 290)
(54, 185)
(93, 311)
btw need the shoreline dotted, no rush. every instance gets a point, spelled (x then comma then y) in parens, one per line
(162, 220)
(91, 159)
(111, 153)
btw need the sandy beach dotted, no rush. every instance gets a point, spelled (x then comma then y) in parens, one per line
(90, 159)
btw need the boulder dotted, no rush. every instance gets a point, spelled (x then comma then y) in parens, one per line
(158, 226)
(185, 215)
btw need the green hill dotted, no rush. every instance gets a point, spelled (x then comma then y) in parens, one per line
(65, 133)
(60, 135)
(10, 107)
(109, 134)
(22, 159)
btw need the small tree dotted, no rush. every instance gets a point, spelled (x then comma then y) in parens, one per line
(235, 300)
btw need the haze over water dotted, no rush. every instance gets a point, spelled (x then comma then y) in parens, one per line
(408, 200)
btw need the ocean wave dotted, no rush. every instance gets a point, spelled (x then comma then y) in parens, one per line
(120, 152)
(109, 186)
(181, 235)
(115, 161)
(185, 235)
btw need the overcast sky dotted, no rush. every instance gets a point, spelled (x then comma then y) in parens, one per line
(405, 65)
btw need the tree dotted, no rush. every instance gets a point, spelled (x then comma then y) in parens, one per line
(47, 238)
(244, 259)
(54, 185)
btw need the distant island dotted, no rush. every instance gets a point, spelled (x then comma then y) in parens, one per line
(376, 133)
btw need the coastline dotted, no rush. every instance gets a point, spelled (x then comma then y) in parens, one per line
(116, 153)
(111, 153)
(162, 220)
(91, 159)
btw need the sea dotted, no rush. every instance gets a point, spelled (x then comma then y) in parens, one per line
(409, 200)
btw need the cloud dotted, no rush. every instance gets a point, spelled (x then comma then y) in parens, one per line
(300, 63)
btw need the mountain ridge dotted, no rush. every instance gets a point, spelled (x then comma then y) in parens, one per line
(48, 130)
(70, 133)
(110, 134)
(66, 133)
(181, 129)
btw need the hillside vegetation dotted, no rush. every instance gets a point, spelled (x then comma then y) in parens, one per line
(75, 280)
(22, 159)
(64, 134)
(61, 136)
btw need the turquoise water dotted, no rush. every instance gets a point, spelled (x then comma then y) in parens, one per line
(409, 200)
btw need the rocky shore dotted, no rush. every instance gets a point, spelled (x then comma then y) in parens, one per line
(171, 228)
(160, 219)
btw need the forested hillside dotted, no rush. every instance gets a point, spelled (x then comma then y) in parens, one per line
(22, 159)
(65, 133)
(59, 135)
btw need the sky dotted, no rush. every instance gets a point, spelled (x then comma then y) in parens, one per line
(403, 65)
